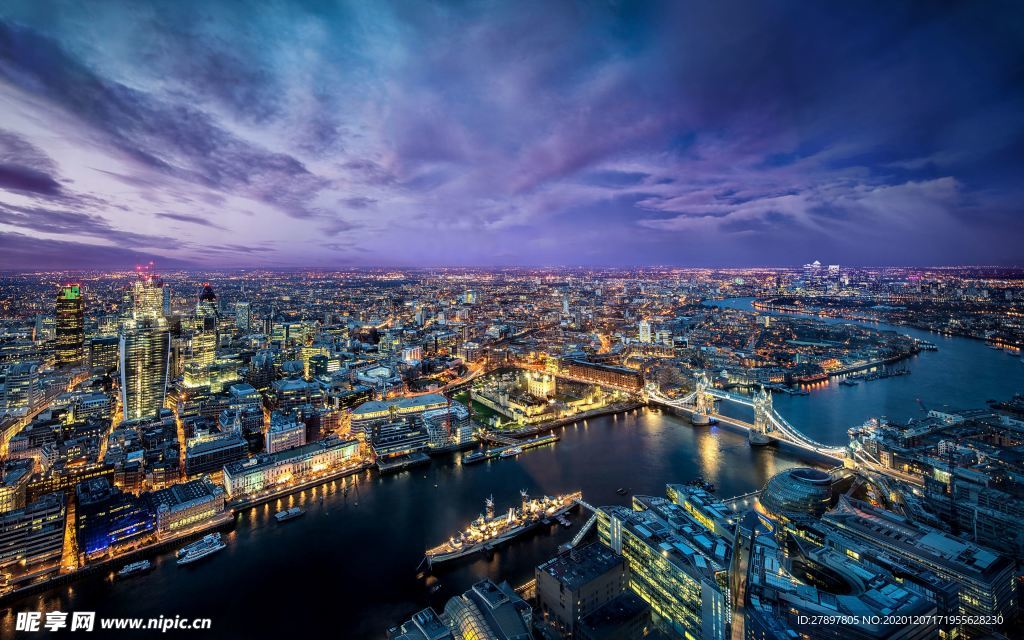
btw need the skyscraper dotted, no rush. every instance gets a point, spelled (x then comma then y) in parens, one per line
(145, 356)
(70, 327)
(144, 349)
(206, 307)
(148, 296)
(243, 315)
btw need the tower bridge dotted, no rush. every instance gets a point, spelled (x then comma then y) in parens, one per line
(768, 423)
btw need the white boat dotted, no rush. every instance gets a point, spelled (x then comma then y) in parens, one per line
(288, 514)
(209, 545)
(511, 451)
(134, 568)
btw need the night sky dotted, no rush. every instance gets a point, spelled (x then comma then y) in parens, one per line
(692, 133)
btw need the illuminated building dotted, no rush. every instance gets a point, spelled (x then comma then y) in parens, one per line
(186, 505)
(366, 415)
(399, 438)
(14, 478)
(292, 393)
(674, 565)
(540, 385)
(603, 374)
(209, 456)
(148, 297)
(70, 326)
(645, 331)
(243, 315)
(246, 477)
(203, 348)
(488, 610)
(106, 516)
(145, 358)
(22, 387)
(285, 432)
(798, 492)
(103, 353)
(450, 426)
(33, 534)
(985, 579)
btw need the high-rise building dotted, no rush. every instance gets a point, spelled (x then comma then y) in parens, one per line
(672, 564)
(206, 307)
(645, 331)
(70, 326)
(148, 297)
(144, 360)
(103, 352)
(243, 315)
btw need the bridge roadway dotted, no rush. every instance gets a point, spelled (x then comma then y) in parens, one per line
(783, 431)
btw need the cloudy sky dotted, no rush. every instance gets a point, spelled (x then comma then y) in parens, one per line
(510, 133)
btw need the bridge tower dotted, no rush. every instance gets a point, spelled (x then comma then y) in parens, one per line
(704, 402)
(758, 435)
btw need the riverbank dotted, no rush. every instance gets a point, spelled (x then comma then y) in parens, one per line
(842, 314)
(235, 508)
(224, 521)
(526, 432)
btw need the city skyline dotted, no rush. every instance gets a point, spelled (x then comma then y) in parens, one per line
(491, 135)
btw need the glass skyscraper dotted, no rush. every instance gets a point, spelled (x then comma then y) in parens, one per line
(144, 348)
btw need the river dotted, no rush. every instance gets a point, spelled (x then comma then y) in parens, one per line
(347, 569)
(962, 374)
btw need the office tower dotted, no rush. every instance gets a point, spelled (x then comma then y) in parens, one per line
(243, 315)
(203, 348)
(144, 359)
(103, 352)
(22, 389)
(70, 326)
(206, 307)
(33, 534)
(645, 331)
(167, 300)
(148, 297)
(672, 564)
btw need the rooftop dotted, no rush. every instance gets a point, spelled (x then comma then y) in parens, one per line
(581, 566)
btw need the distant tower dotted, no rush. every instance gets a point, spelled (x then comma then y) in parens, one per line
(243, 316)
(758, 435)
(70, 326)
(148, 296)
(206, 307)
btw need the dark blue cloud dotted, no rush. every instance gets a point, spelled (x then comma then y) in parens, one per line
(429, 133)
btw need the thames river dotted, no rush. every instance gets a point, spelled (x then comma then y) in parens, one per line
(348, 568)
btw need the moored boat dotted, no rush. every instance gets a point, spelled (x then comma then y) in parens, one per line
(490, 530)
